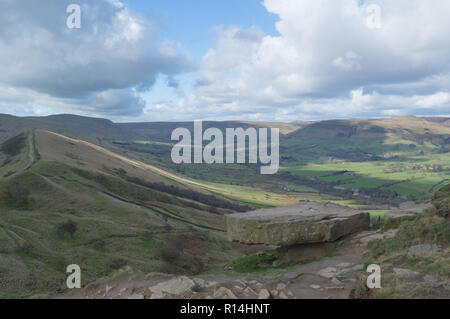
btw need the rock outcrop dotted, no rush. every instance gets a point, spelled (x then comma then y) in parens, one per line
(176, 286)
(308, 222)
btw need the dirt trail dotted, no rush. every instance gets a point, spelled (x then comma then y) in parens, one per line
(328, 278)
(162, 212)
(139, 164)
(31, 152)
(152, 210)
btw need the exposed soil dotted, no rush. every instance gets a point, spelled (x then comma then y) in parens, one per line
(332, 277)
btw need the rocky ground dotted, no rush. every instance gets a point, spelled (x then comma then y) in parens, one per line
(413, 254)
(333, 277)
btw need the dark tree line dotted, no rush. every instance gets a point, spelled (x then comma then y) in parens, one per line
(206, 199)
(366, 195)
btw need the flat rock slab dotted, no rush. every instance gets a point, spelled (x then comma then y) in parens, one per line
(304, 223)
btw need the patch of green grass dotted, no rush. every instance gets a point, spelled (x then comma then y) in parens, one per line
(417, 176)
(97, 232)
(255, 262)
(426, 229)
(377, 213)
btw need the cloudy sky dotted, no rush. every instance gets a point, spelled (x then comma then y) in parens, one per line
(272, 60)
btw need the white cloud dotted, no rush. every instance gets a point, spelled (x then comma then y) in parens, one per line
(350, 62)
(439, 99)
(97, 69)
(326, 62)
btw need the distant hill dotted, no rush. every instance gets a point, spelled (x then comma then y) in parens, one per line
(441, 120)
(397, 141)
(93, 129)
(107, 196)
(362, 140)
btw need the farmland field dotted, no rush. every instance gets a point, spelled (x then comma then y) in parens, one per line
(416, 177)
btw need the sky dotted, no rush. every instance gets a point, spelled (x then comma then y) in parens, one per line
(258, 60)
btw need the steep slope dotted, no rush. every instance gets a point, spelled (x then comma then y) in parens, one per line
(415, 261)
(80, 204)
(16, 155)
(85, 155)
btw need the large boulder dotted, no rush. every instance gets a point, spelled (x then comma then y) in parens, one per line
(308, 222)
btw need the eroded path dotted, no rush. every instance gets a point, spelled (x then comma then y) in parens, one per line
(31, 152)
(333, 277)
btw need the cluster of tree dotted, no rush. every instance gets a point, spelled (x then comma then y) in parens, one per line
(380, 195)
(158, 192)
(441, 140)
(401, 167)
(366, 195)
(159, 151)
(206, 199)
(322, 186)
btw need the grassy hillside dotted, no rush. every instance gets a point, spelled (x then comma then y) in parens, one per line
(345, 139)
(14, 155)
(77, 204)
(366, 140)
(387, 160)
(106, 196)
(413, 178)
(421, 250)
(88, 156)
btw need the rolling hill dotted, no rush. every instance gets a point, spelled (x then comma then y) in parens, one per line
(65, 201)
(355, 140)
(97, 129)
(106, 195)
(373, 150)
(366, 140)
